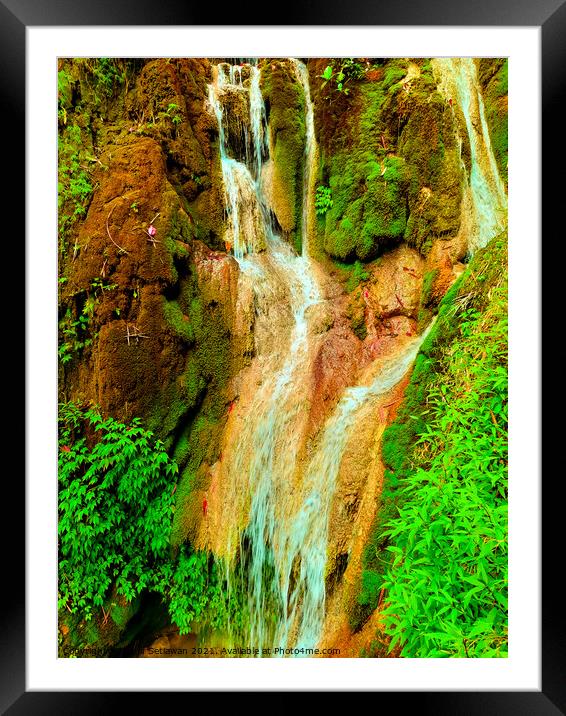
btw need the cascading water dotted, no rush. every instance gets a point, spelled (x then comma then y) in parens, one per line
(310, 153)
(282, 543)
(485, 197)
(306, 536)
(264, 456)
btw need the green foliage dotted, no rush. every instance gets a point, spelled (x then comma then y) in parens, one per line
(439, 543)
(322, 200)
(75, 328)
(193, 589)
(115, 508)
(393, 75)
(339, 72)
(74, 184)
(74, 334)
(173, 114)
(447, 584)
(64, 94)
(105, 74)
(116, 504)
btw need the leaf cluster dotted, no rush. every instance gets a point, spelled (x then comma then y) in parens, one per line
(322, 200)
(446, 583)
(116, 505)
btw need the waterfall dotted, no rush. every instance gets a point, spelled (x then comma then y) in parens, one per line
(307, 534)
(278, 507)
(262, 462)
(485, 199)
(311, 157)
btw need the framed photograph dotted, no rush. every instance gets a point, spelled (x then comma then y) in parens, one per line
(275, 337)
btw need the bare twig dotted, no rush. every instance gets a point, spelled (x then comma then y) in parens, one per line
(96, 159)
(110, 235)
(155, 217)
(134, 333)
(103, 269)
(150, 237)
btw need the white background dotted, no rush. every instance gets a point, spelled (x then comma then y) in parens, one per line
(521, 671)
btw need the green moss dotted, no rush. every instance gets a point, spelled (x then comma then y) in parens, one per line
(198, 446)
(181, 516)
(369, 210)
(397, 175)
(357, 275)
(495, 78)
(393, 75)
(428, 282)
(178, 321)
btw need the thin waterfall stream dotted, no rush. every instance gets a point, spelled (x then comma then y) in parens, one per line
(484, 194)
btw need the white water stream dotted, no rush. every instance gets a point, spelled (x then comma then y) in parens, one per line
(485, 195)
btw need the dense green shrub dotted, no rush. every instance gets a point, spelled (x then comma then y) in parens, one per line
(115, 508)
(116, 504)
(447, 584)
(438, 548)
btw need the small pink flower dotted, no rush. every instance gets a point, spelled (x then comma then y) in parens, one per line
(152, 230)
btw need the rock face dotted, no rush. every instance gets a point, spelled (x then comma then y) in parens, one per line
(390, 159)
(148, 319)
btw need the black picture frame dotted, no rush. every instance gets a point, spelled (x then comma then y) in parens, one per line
(15, 16)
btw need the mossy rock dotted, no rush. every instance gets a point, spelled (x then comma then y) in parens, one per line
(493, 74)
(397, 173)
(285, 106)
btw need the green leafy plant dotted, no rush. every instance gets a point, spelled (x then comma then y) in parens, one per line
(74, 184)
(447, 583)
(74, 335)
(98, 285)
(105, 74)
(115, 507)
(339, 72)
(116, 504)
(173, 112)
(75, 330)
(437, 554)
(322, 200)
